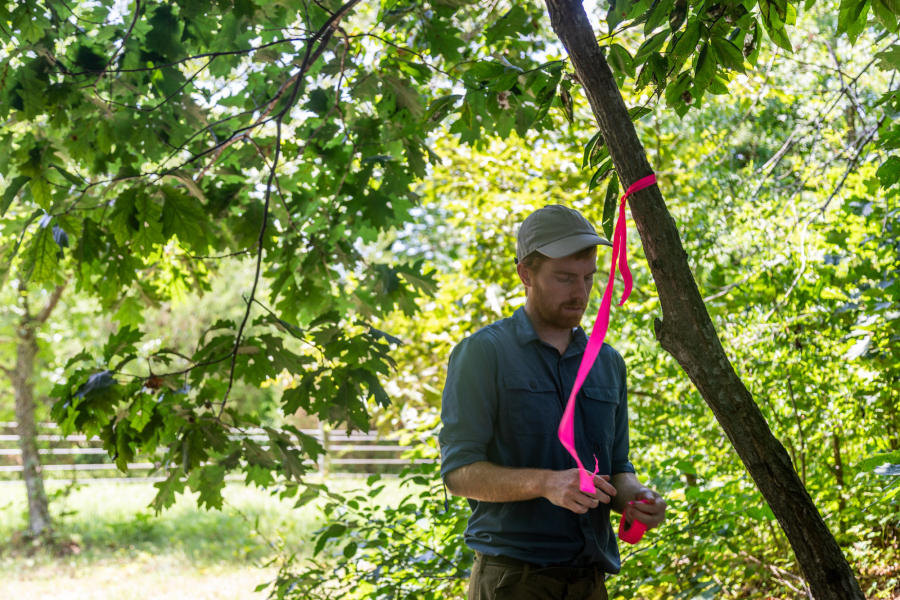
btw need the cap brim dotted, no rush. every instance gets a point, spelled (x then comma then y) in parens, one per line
(572, 244)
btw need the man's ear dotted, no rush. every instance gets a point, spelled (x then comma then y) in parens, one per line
(524, 275)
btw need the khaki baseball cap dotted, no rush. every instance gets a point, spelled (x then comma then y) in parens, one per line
(556, 231)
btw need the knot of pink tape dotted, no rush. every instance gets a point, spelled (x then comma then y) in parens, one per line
(566, 430)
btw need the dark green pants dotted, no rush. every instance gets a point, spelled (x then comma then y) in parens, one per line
(506, 582)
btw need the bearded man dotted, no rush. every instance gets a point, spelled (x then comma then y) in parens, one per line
(536, 535)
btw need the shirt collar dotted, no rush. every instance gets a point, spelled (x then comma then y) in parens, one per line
(578, 343)
(525, 333)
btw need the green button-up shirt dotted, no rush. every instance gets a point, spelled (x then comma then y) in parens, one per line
(502, 403)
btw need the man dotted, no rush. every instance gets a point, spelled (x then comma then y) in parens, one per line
(536, 535)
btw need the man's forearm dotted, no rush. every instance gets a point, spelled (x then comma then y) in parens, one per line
(487, 482)
(627, 487)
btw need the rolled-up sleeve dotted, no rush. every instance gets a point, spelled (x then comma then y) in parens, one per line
(469, 406)
(620, 462)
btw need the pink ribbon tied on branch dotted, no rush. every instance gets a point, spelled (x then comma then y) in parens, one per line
(566, 430)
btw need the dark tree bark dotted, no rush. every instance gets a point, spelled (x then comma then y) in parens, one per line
(22, 377)
(687, 332)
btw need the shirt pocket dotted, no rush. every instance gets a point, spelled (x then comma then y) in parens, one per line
(600, 406)
(532, 405)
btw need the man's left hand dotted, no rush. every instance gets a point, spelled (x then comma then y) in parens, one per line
(651, 514)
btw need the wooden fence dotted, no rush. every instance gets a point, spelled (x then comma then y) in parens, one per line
(353, 454)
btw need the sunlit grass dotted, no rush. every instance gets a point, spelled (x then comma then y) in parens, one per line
(122, 550)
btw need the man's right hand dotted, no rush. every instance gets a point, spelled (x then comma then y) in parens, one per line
(562, 488)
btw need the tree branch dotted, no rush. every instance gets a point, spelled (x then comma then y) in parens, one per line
(51, 304)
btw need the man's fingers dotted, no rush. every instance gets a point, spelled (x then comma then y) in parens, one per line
(649, 509)
(601, 482)
(648, 514)
(645, 518)
(575, 507)
(597, 498)
(589, 500)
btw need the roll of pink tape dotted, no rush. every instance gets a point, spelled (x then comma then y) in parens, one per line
(633, 533)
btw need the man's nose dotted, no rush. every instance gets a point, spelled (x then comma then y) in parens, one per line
(580, 291)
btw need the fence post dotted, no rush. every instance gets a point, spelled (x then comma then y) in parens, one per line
(323, 458)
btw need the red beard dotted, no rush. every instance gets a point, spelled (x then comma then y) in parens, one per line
(555, 315)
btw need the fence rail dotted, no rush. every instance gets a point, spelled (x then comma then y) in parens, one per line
(351, 454)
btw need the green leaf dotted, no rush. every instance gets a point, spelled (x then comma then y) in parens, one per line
(728, 55)
(889, 59)
(650, 46)
(705, 69)
(609, 206)
(32, 94)
(589, 149)
(638, 112)
(678, 15)
(165, 32)
(849, 13)
(485, 70)
(675, 90)
(466, 115)
(889, 172)
(9, 194)
(183, 216)
(41, 259)
(84, 355)
(718, 86)
(872, 462)
(335, 530)
(208, 482)
(567, 104)
(885, 15)
(141, 411)
(751, 43)
(130, 312)
(165, 496)
(71, 224)
(74, 180)
(122, 342)
(123, 219)
(618, 12)
(32, 24)
(150, 227)
(685, 45)
(507, 26)
(444, 39)
(620, 60)
(42, 193)
(350, 550)
(600, 173)
(658, 15)
(775, 14)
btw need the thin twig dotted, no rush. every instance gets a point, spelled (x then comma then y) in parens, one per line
(137, 14)
(323, 36)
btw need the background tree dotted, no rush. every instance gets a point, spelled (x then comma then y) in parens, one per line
(21, 376)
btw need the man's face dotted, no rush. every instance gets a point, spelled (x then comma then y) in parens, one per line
(560, 288)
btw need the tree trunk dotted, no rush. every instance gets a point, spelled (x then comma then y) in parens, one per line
(22, 378)
(687, 332)
(38, 511)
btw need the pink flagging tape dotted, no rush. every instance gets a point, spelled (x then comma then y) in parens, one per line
(566, 430)
(634, 532)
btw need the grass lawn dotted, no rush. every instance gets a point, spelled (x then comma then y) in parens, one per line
(123, 551)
